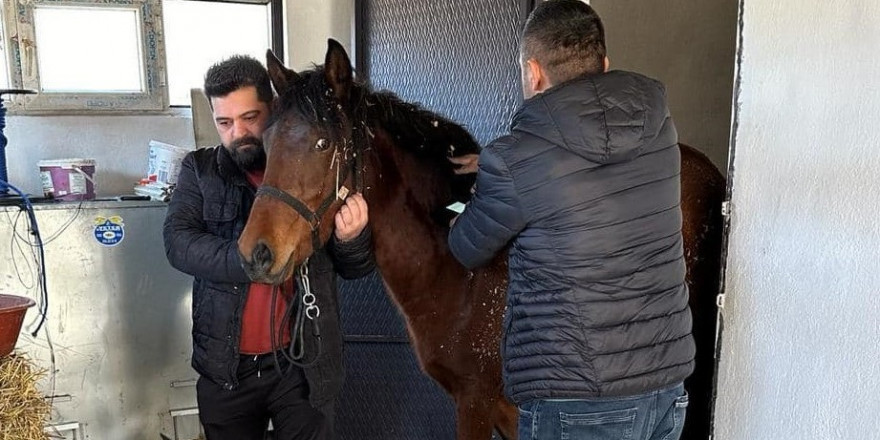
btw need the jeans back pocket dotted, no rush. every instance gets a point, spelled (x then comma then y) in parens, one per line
(617, 424)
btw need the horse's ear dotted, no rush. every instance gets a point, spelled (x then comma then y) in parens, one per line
(282, 77)
(337, 69)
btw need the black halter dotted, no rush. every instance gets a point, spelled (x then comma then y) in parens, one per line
(352, 164)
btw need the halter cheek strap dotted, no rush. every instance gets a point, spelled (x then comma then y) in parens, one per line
(293, 202)
(312, 217)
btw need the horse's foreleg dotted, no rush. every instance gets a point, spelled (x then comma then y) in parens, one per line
(474, 417)
(506, 419)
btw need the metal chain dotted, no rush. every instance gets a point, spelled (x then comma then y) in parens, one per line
(308, 298)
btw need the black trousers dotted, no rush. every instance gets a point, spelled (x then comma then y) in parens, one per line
(262, 394)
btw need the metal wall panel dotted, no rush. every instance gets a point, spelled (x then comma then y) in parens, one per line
(459, 58)
(367, 311)
(119, 320)
(386, 396)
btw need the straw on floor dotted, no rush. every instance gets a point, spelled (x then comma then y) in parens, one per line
(23, 409)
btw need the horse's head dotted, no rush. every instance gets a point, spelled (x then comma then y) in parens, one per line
(309, 166)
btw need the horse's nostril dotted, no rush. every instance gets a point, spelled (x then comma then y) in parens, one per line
(262, 258)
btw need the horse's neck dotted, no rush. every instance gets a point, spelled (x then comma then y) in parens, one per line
(411, 249)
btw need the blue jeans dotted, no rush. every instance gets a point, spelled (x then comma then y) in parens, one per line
(657, 415)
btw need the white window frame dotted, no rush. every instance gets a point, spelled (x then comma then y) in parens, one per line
(22, 51)
(4, 48)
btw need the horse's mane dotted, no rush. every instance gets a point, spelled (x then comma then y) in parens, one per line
(425, 134)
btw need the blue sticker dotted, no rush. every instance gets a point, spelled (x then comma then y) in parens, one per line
(109, 231)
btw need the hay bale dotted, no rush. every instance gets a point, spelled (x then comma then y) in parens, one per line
(23, 409)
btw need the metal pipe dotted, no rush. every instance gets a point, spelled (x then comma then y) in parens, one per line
(4, 177)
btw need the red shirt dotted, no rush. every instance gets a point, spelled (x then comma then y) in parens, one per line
(256, 335)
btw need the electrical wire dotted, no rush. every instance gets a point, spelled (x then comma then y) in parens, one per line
(41, 255)
(15, 244)
(53, 236)
(38, 257)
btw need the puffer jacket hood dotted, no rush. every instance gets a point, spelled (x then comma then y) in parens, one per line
(605, 118)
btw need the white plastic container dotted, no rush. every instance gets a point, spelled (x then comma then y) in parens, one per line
(165, 161)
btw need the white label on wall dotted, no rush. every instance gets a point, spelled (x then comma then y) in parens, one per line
(77, 183)
(46, 182)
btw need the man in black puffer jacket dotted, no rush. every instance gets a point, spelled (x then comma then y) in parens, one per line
(586, 191)
(246, 379)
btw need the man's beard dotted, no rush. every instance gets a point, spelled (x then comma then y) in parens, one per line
(252, 158)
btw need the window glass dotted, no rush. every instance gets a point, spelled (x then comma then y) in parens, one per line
(88, 49)
(201, 33)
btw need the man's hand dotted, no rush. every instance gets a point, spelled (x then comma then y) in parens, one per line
(352, 218)
(467, 164)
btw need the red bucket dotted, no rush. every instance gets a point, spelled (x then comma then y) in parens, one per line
(12, 309)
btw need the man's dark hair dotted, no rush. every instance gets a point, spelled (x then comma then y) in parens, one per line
(566, 37)
(236, 72)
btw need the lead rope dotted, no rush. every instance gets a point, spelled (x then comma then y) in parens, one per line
(304, 306)
(307, 309)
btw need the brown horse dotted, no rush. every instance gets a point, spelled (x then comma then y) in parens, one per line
(330, 132)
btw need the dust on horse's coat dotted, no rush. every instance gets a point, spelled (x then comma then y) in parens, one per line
(330, 131)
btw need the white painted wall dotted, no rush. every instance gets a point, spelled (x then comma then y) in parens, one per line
(119, 144)
(800, 357)
(310, 23)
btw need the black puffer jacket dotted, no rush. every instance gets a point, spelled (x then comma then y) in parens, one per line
(586, 190)
(205, 218)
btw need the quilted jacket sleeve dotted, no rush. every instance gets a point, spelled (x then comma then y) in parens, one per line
(354, 258)
(492, 218)
(189, 246)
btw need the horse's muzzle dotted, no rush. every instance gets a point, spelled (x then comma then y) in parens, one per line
(260, 264)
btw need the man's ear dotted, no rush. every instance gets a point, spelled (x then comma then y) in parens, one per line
(538, 80)
(282, 78)
(337, 70)
(607, 64)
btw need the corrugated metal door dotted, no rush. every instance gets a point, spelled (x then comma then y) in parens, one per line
(458, 58)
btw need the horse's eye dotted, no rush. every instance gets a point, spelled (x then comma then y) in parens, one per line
(322, 144)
